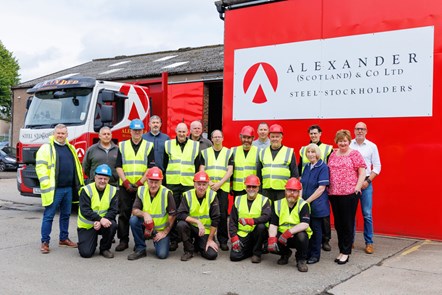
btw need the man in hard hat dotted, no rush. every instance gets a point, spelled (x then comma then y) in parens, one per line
(137, 156)
(289, 226)
(245, 159)
(158, 139)
(181, 162)
(196, 134)
(263, 140)
(198, 218)
(105, 151)
(277, 163)
(218, 164)
(370, 153)
(96, 215)
(315, 133)
(248, 219)
(60, 175)
(153, 215)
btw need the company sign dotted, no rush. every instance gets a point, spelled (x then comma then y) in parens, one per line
(388, 74)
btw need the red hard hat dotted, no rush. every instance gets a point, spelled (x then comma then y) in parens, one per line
(248, 131)
(293, 183)
(155, 173)
(252, 180)
(201, 177)
(276, 128)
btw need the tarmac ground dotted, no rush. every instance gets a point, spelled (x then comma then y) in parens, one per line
(398, 265)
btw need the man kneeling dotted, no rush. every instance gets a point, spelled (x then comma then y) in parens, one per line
(198, 217)
(289, 226)
(153, 215)
(248, 220)
(96, 214)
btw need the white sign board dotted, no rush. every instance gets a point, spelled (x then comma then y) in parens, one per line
(387, 74)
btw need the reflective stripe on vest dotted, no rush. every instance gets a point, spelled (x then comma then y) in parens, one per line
(181, 167)
(217, 168)
(200, 211)
(156, 207)
(134, 166)
(244, 166)
(288, 219)
(244, 212)
(325, 151)
(98, 206)
(276, 172)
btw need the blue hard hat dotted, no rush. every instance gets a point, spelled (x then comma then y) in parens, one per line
(136, 124)
(103, 169)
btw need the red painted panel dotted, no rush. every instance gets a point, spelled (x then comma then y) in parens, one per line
(185, 105)
(406, 191)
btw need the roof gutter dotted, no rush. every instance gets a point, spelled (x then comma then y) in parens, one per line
(223, 5)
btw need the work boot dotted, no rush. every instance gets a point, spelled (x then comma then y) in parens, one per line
(224, 247)
(369, 249)
(107, 254)
(67, 243)
(285, 258)
(173, 246)
(256, 259)
(326, 246)
(302, 266)
(137, 255)
(186, 256)
(44, 249)
(122, 246)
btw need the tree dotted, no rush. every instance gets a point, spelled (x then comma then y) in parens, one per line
(9, 77)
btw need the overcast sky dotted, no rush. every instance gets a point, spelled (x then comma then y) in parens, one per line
(51, 35)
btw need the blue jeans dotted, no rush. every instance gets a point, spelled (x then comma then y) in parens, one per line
(366, 205)
(62, 200)
(137, 227)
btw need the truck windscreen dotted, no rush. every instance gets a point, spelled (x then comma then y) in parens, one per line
(49, 108)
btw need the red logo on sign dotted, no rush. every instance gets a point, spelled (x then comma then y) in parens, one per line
(270, 78)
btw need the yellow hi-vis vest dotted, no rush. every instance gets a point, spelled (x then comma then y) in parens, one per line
(45, 168)
(156, 207)
(288, 219)
(276, 172)
(200, 212)
(244, 212)
(181, 167)
(217, 168)
(134, 166)
(98, 206)
(244, 166)
(325, 151)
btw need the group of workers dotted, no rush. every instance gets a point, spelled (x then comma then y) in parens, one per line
(176, 191)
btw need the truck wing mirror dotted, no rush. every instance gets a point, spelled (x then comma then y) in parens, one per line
(28, 102)
(111, 96)
(107, 113)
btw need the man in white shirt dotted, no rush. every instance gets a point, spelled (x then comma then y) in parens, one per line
(369, 151)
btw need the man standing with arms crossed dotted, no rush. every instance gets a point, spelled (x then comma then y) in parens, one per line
(181, 162)
(60, 175)
(315, 133)
(370, 153)
(217, 163)
(136, 157)
(157, 138)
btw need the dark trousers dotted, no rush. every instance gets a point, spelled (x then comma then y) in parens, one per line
(299, 241)
(314, 245)
(251, 244)
(273, 195)
(87, 239)
(177, 190)
(344, 212)
(125, 203)
(223, 200)
(193, 242)
(326, 229)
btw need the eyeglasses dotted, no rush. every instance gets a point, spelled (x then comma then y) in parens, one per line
(360, 129)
